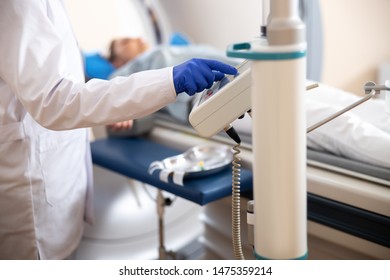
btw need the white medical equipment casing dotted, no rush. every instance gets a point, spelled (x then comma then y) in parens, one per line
(279, 167)
(223, 103)
(279, 133)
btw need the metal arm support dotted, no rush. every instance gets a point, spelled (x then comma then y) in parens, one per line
(371, 90)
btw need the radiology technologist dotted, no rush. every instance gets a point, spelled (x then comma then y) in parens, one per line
(45, 108)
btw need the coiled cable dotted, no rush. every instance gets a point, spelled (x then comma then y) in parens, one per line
(236, 183)
(236, 218)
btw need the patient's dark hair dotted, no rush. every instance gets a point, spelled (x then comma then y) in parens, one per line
(111, 52)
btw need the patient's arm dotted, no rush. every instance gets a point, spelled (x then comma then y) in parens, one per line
(121, 126)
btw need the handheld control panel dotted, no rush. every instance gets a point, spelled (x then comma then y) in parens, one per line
(223, 103)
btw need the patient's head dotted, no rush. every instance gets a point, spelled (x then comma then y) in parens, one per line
(123, 50)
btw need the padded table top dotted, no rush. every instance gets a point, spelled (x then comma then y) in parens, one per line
(131, 157)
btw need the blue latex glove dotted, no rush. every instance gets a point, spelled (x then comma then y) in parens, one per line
(198, 74)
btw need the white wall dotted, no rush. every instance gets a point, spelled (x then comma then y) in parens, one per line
(97, 22)
(357, 41)
(216, 22)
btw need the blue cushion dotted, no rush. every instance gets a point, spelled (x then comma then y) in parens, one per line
(178, 39)
(131, 157)
(96, 66)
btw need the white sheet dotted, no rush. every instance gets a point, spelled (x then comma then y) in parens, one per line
(361, 134)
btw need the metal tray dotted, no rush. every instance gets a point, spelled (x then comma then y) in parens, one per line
(198, 161)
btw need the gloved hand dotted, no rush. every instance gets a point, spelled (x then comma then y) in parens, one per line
(198, 74)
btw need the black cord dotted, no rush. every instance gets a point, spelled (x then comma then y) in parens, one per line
(233, 134)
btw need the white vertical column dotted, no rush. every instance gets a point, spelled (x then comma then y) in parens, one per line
(279, 136)
(279, 144)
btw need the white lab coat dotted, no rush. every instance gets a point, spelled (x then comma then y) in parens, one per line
(44, 109)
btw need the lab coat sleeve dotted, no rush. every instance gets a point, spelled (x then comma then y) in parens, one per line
(37, 65)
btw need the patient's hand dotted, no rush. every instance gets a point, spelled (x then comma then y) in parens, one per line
(121, 126)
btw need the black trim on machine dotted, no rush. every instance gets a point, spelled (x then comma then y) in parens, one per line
(355, 221)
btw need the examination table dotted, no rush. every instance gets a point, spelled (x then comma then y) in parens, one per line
(341, 223)
(132, 156)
